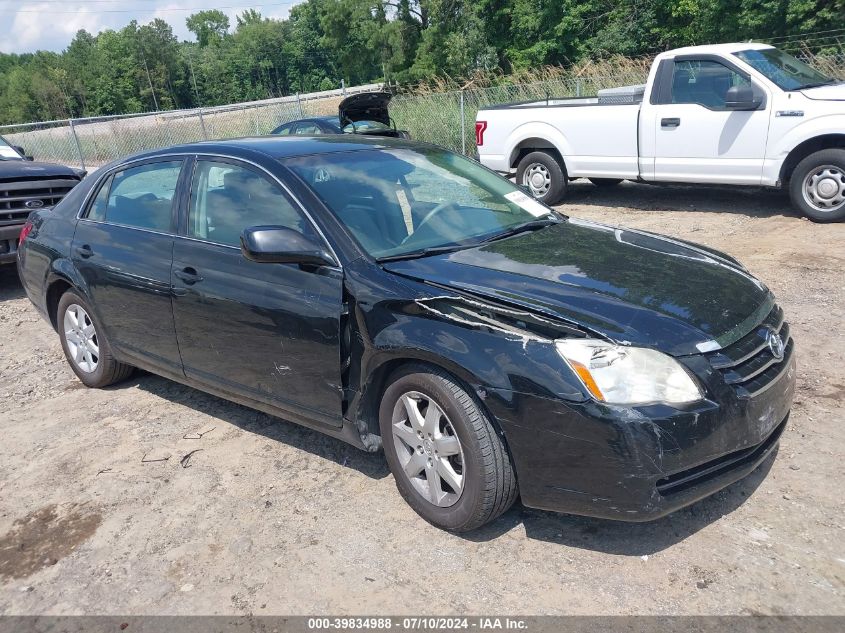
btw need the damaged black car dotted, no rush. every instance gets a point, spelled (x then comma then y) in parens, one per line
(400, 297)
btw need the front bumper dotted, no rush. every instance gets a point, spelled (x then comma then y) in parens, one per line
(640, 463)
(9, 242)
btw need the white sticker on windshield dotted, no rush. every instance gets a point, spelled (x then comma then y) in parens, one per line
(8, 152)
(526, 202)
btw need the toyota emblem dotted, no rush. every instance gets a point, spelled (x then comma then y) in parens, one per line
(775, 343)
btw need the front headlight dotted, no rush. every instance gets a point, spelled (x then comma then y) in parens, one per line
(628, 375)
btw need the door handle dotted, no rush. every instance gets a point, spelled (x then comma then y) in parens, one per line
(84, 251)
(188, 275)
(673, 122)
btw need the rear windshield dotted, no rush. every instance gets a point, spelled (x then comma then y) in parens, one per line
(365, 126)
(397, 201)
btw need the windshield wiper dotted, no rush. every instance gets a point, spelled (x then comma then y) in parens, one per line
(423, 252)
(533, 225)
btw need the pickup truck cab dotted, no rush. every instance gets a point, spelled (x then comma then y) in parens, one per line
(726, 114)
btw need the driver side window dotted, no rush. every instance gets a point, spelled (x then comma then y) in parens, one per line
(703, 82)
(228, 198)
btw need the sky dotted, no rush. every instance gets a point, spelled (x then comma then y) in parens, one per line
(30, 25)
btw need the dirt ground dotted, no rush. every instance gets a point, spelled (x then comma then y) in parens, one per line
(102, 510)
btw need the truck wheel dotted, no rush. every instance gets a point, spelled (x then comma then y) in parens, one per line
(544, 177)
(449, 463)
(605, 182)
(85, 345)
(817, 186)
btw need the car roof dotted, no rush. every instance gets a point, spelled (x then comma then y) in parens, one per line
(724, 49)
(282, 146)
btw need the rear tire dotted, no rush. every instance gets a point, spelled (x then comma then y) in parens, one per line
(544, 177)
(605, 182)
(85, 344)
(817, 186)
(434, 431)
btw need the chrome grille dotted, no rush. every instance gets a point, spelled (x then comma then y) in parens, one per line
(749, 366)
(14, 196)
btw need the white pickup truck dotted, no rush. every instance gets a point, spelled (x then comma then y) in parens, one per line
(727, 114)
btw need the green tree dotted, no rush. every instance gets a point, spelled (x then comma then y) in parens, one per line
(208, 26)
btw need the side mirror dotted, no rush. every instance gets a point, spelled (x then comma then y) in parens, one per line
(20, 150)
(280, 245)
(741, 98)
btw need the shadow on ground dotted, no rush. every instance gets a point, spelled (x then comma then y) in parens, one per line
(372, 465)
(10, 283)
(751, 201)
(611, 537)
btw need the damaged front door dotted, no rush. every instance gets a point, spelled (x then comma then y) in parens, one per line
(267, 331)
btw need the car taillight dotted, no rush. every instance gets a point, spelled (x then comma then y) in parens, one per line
(25, 231)
(480, 126)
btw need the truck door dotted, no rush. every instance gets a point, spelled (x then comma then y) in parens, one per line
(697, 136)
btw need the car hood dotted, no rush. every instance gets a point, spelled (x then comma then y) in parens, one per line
(628, 286)
(28, 169)
(366, 106)
(833, 92)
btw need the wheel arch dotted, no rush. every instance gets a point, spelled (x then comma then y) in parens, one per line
(382, 366)
(61, 277)
(806, 148)
(538, 136)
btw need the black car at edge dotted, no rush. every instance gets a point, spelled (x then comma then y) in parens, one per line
(395, 295)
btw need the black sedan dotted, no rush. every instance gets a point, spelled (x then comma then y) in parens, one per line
(398, 296)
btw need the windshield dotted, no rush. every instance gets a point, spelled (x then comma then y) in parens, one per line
(783, 69)
(7, 152)
(401, 201)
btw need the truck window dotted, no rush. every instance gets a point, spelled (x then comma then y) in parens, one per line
(703, 82)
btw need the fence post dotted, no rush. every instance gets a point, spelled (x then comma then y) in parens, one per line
(78, 146)
(463, 126)
(202, 125)
(577, 87)
(299, 105)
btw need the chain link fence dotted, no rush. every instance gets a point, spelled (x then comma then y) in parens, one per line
(448, 118)
(92, 142)
(442, 118)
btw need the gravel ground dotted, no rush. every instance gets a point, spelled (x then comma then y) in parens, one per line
(100, 513)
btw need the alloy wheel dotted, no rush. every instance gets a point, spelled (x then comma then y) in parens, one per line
(429, 451)
(81, 338)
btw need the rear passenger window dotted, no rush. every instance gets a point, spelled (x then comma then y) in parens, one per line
(142, 196)
(226, 199)
(97, 210)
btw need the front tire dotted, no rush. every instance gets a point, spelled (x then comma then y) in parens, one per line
(449, 463)
(817, 186)
(544, 177)
(85, 344)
